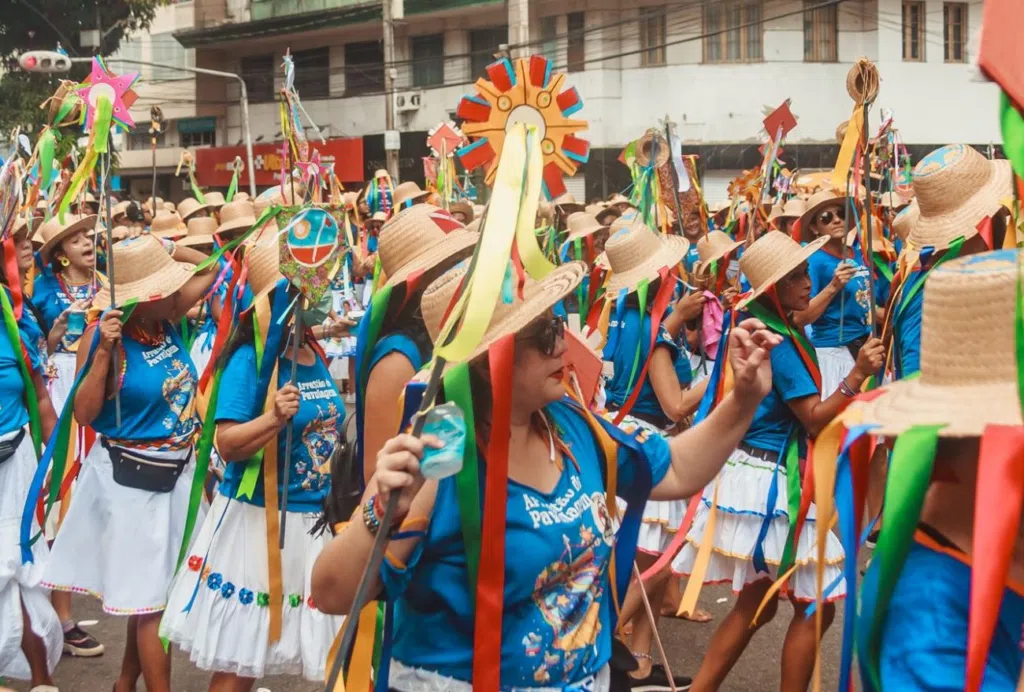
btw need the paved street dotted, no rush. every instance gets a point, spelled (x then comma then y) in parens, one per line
(757, 671)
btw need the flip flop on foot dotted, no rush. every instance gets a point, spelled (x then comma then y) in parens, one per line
(699, 616)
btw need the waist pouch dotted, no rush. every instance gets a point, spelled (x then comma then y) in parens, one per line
(135, 469)
(854, 346)
(9, 447)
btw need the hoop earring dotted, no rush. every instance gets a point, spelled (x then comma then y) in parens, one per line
(64, 262)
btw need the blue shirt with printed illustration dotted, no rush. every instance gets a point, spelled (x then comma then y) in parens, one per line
(851, 312)
(557, 621)
(52, 297)
(317, 427)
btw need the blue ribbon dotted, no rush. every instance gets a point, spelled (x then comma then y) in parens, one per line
(620, 312)
(708, 400)
(760, 563)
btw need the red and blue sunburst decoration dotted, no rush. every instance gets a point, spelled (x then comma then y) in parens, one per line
(525, 91)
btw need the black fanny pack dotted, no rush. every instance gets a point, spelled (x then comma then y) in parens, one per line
(9, 447)
(135, 469)
(854, 347)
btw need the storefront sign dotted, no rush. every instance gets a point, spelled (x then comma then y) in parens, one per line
(213, 165)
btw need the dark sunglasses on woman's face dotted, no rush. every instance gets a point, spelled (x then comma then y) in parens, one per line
(826, 217)
(546, 334)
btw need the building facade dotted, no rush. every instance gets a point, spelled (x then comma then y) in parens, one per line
(714, 67)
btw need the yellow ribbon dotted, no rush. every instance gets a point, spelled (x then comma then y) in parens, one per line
(534, 261)
(854, 132)
(826, 449)
(688, 604)
(276, 584)
(361, 664)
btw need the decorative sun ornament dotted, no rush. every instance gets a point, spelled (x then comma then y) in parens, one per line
(117, 89)
(527, 92)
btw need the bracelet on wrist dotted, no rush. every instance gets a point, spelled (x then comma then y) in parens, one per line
(846, 390)
(373, 516)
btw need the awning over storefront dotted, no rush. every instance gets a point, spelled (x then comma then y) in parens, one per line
(213, 165)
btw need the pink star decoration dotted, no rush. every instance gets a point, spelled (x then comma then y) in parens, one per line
(310, 169)
(104, 83)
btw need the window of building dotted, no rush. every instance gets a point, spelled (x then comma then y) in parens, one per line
(313, 73)
(733, 31)
(549, 38)
(129, 50)
(954, 33)
(913, 30)
(258, 74)
(575, 51)
(483, 44)
(821, 32)
(165, 50)
(140, 139)
(198, 139)
(364, 68)
(653, 35)
(427, 60)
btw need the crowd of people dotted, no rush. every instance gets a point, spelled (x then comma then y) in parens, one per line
(721, 343)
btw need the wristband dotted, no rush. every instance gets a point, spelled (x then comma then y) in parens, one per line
(845, 389)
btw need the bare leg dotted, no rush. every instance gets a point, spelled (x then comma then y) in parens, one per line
(61, 601)
(633, 605)
(877, 472)
(35, 651)
(643, 631)
(226, 682)
(156, 663)
(798, 649)
(131, 667)
(733, 635)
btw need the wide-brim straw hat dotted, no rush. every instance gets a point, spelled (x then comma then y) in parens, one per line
(264, 260)
(603, 212)
(170, 206)
(215, 200)
(903, 224)
(406, 192)
(567, 203)
(412, 241)
(200, 231)
(794, 208)
(120, 209)
(634, 252)
(145, 273)
(53, 232)
(235, 215)
(507, 318)
(968, 373)
(465, 207)
(546, 211)
(714, 246)
(770, 258)
(818, 201)
(189, 206)
(168, 224)
(892, 200)
(240, 195)
(619, 198)
(148, 204)
(956, 187)
(580, 225)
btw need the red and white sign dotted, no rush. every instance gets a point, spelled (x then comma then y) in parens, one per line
(213, 165)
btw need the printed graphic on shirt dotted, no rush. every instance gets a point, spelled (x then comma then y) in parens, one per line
(178, 391)
(320, 437)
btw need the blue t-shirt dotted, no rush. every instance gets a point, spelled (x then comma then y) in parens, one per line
(790, 380)
(633, 333)
(13, 410)
(52, 298)
(317, 427)
(907, 327)
(691, 258)
(556, 627)
(158, 387)
(822, 266)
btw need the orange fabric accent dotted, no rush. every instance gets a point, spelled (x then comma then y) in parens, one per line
(273, 523)
(688, 604)
(963, 558)
(361, 665)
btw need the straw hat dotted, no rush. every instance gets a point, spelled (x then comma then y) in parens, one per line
(170, 206)
(53, 232)
(120, 232)
(508, 318)
(236, 214)
(145, 273)
(567, 204)
(818, 201)
(604, 213)
(412, 241)
(200, 231)
(634, 252)
(776, 212)
(465, 207)
(119, 209)
(215, 200)
(264, 259)
(167, 224)
(581, 224)
(406, 192)
(379, 216)
(904, 222)
(794, 208)
(618, 198)
(148, 204)
(956, 187)
(546, 211)
(770, 258)
(891, 200)
(239, 196)
(189, 206)
(968, 374)
(714, 246)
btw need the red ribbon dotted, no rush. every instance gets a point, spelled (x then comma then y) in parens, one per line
(999, 497)
(490, 592)
(13, 276)
(412, 282)
(223, 327)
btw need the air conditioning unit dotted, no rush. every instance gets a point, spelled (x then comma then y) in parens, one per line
(408, 101)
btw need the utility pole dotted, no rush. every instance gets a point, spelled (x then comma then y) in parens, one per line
(392, 140)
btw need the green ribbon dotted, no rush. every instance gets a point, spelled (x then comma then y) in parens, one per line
(641, 294)
(34, 423)
(910, 472)
(792, 500)
(883, 267)
(101, 124)
(202, 463)
(47, 148)
(232, 188)
(467, 480)
(1012, 123)
(954, 251)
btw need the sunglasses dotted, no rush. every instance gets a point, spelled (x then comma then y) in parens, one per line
(826, 217)
(801, 272)
(545, 335)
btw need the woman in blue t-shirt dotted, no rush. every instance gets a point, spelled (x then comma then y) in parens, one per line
(415, 248)
(121, 536)
(748, 504)
(218, 607)
(31, 637)
(558, 529)
(840, 291)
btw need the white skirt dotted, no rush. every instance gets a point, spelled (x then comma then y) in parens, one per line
(743, 485)
(120, 544)
(226, 628)
(64, 364)
(20, 583)
(835, 364)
